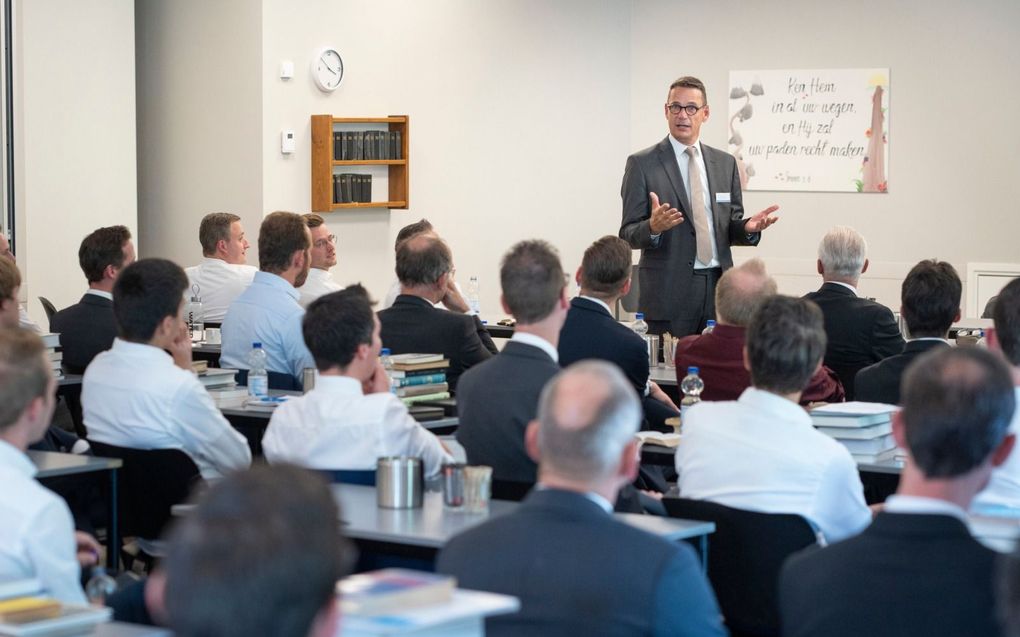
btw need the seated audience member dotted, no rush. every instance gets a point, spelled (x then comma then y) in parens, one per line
(591, 331)
(223, 273)
(259, 555)
(930, 297)
(37, 537)
(414, 325)
(320, 280)
(719, 355)
(23, 319)
(860, 331)
(136, 395)
(760, 452)
(453, 300)
(10, 286)
(1004, 487)
(575, 569)
(499, 397)
(88, 327)
(268, 311)
(917, 570)
(350, 419)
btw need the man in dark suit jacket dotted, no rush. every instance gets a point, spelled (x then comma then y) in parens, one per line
(719, 355)
(498, 398)
(930, 304)
(88, 327)
(591, 331)
(414, 325)
(577, 570)
(860, 331)
(917, 570)
(678, 268)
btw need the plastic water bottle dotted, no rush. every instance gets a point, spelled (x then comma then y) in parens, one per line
(709, 327)
(258, 377)
(473, 291)
(691, 386)
(100, 586)
(194, 316)
(641, 329)
(385, 355)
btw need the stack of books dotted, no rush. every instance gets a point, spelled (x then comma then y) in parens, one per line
(419, 378)
(217, 378)
(865, 429)
(54, 354)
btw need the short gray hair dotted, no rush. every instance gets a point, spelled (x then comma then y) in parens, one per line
(741, 290)
(421, 260)
(842, 252)
(587, 414)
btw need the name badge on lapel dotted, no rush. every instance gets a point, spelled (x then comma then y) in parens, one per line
(722, 197)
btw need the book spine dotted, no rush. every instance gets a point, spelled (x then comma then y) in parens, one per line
(338, 143)
(410, 400)
(422, 379)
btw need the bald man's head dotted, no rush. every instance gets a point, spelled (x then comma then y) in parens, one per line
(422, 260)
(740, 292)
(586, 416)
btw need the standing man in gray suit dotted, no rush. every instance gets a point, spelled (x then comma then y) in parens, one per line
(683, 208)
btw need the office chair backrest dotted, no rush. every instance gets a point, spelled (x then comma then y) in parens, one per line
(149, 483)
(48, 307)
(744, 557)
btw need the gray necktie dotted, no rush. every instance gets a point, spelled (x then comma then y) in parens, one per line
(698, 207)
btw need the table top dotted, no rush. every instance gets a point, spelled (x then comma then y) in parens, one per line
(652, 453)
(51, 464)
(663, 375)
(120, 629)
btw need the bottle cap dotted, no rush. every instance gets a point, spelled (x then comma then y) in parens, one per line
(640, 316)
(692, 370)
(384, 351)
(709, 322)
(256, 345)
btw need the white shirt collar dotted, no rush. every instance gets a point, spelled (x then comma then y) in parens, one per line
(929, 338)
(846, 285)
(278, 282)
(681, 149)
(100, 293)
(142, 350)
(594, 300)
(537, 341)
(914, 504)
(319, 275)
(343, 385)
(11, 456)
(603, 503)
(766, 402)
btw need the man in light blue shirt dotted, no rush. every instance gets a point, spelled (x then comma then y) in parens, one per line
(268, 311)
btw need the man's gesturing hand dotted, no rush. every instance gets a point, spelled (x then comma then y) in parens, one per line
(663, 217)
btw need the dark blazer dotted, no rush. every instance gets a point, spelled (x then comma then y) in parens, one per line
(495, 402)
(578, 571)
(860, 332)
(86, 329)
(905, 575)
(592, 332)
(667, 267)
(412, 325)
(719, 357)
(880, 383)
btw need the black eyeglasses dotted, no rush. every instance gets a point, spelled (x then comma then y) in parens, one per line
(690, 109)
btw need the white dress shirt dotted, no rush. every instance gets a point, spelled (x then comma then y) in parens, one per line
(219, 284)
(319, 282)
(25, 321)
(337, 427)
(37, 533)
(539, 342)
(134, 396)
(680, 150)
(1004, 487)
(919, 505)
(103, 294)
(761, 453)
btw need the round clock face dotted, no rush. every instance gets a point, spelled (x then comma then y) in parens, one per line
(328, 69)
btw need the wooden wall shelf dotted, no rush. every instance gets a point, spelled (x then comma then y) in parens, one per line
(323, 162)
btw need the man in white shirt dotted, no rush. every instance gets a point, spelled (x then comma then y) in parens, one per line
(137, 395)
(760, 452)
(88, 327)
(350, 419)
(916, 570)
(24, 320)
(223, 274)
(1004, 487)
(268, 311)
(454, 299)
(320, 280)
(37, 537)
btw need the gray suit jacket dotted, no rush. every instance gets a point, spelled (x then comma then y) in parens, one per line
(666, 268)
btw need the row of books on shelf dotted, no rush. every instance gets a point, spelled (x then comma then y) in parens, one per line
(367, 145)
(865, 429)
(352, 188)
(418, 378)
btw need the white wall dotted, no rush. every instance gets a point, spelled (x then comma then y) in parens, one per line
(74, 136)
(518, 121)
(952, 86)
(199, 117)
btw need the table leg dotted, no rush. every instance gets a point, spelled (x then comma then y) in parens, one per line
(112, 534)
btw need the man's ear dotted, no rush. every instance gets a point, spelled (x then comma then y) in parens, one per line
(818, 266)
(1001, 453)
(364, 351)
(747, 359)
(577, 276)
(502, 304)
(531, 441)
(898, 430)
(865, 268)
(630, 461)
(625, 290)
(327, 620)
